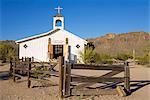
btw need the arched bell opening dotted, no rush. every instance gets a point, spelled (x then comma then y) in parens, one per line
(58, 23)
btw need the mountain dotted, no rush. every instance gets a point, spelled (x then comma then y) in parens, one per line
(113, 44)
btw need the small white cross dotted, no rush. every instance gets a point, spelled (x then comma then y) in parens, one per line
(59, 9)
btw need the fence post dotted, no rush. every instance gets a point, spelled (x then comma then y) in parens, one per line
(127, 77)
(32, 59)
(14, 71)
(11, 69)
(22, 59)
(67, 79)
(29, 73)
(64, 78)
(61, 62)
(69, 53)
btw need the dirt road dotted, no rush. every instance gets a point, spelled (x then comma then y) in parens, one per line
(140, 86)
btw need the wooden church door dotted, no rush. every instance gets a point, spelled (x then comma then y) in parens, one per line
(57, 51)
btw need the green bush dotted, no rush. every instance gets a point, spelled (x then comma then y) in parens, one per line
(143, 60)
(108, 62)
(7, 52)
(104, 58)
(123, 56)
(89, 55)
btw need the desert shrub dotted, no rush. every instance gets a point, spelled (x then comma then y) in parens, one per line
(37, 73)
(108, 62)
(7, 52)
(88, 56)
(143, 60)
(104, 58)
(123, 56)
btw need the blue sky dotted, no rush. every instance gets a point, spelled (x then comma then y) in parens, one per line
(85, 18)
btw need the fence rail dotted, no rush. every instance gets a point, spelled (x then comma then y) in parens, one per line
(66, 88)
(65, 78)
(27, 67)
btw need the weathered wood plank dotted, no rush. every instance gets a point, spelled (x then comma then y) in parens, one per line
(64, 79)
(127, 77)
(96, 79)
(40, 63)
(33, 71)
(14, 71)
(11, 68)
(67, 80)
(29, 74)
(61, 62)
(93, 92)
(120, 91)
(98, 67)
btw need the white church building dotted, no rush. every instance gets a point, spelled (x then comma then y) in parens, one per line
(52, 44)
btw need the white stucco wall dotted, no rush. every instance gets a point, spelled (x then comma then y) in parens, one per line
(38, 48)
(60, 38)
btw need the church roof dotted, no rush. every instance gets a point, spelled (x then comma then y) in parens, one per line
(58, 15)
(38, 36)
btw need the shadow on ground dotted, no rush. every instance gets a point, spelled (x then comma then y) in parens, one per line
(4, 75)
(134, 85)
(138, 84)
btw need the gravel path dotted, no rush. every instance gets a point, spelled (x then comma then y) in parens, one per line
(140, 85)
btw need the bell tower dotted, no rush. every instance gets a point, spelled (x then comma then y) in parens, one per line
(58, 20)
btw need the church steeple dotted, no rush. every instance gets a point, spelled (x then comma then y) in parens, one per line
(58, 20)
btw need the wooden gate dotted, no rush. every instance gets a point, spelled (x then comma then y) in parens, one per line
(66, 88)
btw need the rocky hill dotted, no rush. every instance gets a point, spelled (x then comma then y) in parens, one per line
(113, 44)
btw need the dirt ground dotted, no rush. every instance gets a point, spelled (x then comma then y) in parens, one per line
(140, 86)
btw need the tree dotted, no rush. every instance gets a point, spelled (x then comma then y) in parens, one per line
(7, 52)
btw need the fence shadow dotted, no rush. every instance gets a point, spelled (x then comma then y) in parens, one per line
(48, 85)
(138, 84)
(4, 75)
(134, 85)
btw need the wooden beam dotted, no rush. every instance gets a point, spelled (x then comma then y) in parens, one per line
(98, 67)
(96, 79)
(127, 77)
(61, 62)
(29, 74)
(11, 68)
(14, 71)
(67, 80)
(69, 53)
(121, 91)
(64, 78)
(40, 62)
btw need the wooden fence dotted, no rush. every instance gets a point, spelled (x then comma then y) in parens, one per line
(20, 68)
(66, 88)
(27, 67)
(66, 78)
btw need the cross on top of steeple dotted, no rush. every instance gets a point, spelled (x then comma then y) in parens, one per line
(58, 9)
